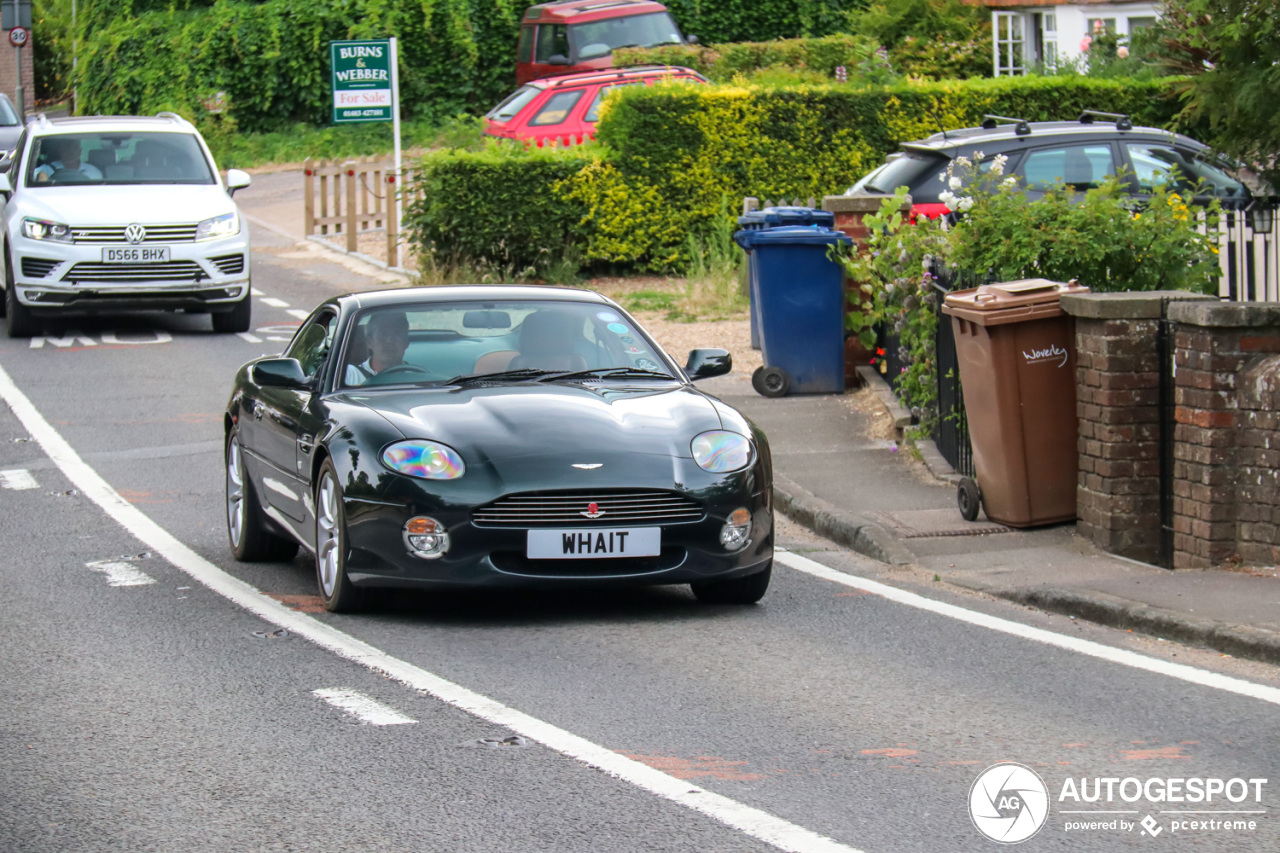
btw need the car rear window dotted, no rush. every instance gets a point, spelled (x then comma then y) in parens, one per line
(557, 109)
(910, 169)
(593, 111)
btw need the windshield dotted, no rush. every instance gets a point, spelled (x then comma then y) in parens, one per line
(118, 158)
(900, 170)
(513, 103)
(598, 38)
(503, 340)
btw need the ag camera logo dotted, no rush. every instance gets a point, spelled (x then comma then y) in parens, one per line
(1008, 803)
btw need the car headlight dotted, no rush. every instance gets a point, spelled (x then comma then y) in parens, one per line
(40, 229)
(428, 460)
(720, 451)
(219, 226)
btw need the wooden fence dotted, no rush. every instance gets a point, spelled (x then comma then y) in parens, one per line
(349, 197)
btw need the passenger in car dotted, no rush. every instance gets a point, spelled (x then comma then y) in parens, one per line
(546, 342)
(387, 338)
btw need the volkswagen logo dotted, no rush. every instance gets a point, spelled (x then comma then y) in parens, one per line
(593, 510)
(135, 233)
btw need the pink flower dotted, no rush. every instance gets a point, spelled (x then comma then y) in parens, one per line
(1084, 44)
(1097, 26)
(1122, 52)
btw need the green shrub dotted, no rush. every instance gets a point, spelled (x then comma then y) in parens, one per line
(497, 209)
(724, 63)
(720, 21)
(679, 156)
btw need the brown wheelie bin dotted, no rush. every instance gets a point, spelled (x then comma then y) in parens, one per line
(1017, 356)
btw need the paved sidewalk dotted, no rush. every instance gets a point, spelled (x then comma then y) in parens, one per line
(836, 477)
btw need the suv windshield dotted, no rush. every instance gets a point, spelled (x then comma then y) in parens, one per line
(598, 38)
(117, 158)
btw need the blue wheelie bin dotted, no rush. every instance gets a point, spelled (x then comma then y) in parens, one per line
(800, 307)
(763, 220)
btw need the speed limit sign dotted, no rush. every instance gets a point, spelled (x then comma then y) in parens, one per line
(18, 36)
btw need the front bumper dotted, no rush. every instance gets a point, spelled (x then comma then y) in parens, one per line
(51, 278)
(491, 556)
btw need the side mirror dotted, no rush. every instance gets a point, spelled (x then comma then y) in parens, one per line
(279, 373)
(237, 180)
(558, 59)
(704, 363)
(690, 39)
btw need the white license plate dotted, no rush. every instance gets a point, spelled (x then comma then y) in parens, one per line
(594, 544)
(135, 255)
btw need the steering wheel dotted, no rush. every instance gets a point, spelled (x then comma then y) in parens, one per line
(404, 368)
(68, 175)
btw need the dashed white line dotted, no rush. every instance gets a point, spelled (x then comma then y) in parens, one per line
(249, 336)
(273, 302)
(363, 708)
(120, 574)
(17, 479)
(751, 821)
(299, 313)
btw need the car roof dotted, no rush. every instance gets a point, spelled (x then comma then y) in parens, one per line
(42, 125)
(613, 75)
(1025, 133)
(577, 11)
(468, 292)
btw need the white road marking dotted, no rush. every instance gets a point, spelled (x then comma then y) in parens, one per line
(1190, 674)
(363, 708)
(16, 479)
(249, 336)
(253, 291)
(753, 822)
(72, 338)
(273, 302)
(299, 313)
(120, 574)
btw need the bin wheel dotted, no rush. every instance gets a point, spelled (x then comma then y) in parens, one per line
(969, 498)
(771, 382)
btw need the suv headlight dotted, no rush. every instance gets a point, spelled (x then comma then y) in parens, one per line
(40, 229)
(720, 451)
(219, 226)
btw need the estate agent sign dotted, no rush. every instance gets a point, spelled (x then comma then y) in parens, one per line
(362, 81)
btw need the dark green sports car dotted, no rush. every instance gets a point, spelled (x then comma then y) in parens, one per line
(494, 435)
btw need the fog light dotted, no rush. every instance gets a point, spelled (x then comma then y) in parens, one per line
(733, 536)
(425, 537)
(33, 295)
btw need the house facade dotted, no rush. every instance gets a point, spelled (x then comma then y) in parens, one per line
(1030, 34)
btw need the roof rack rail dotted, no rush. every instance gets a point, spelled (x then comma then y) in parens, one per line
(1022, 127)
(172, 116)
(1122, 121)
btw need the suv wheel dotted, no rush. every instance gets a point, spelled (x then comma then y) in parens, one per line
(19, 321)
(235, 320)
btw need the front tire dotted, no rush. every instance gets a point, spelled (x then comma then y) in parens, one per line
(748, 590)
(250, 540)
(19, 321)
(336, 589)
(236, 320)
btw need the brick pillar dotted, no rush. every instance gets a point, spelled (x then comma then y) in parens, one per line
(1118, 414)
(1215, 343)
(1258, 531)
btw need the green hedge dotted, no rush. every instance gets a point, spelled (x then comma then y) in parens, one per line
(720, 21)
(721, 63)
(272, 59)
(680, 156)
(498, 209)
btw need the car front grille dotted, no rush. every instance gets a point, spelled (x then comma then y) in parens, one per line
(155, 234)
(38, 267)
(168, 271)
(543, 509)
(230, 264)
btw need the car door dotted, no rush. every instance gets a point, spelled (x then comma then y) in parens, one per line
(1078, 165)
(281, 435)
(1185, 171)
(558, 118)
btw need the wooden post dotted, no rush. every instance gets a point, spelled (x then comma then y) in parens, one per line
(351, 206)
(308, 202)
(393, 226)
(324, 197)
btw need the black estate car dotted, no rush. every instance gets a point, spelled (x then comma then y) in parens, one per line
(494, 436)
(1080, 154)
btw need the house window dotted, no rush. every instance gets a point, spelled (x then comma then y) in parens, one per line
(1049, 23)
(1098, 26)
(1010, 43)
(1136, 24)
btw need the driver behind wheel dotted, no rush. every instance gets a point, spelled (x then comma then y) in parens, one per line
(387, 335)
(63, 153)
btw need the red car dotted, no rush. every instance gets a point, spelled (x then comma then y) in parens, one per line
(564, 109)
(580, 35)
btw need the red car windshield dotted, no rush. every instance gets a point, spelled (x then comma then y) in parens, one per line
(594, 39)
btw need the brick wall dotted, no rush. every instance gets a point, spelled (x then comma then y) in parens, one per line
(9, 72)
(1223, 483)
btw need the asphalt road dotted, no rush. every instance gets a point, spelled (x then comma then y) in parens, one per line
(143, 710)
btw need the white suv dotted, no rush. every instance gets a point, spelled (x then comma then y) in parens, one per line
(120, 212)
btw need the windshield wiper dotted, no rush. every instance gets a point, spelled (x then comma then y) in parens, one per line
(523, 373)
(608, 372)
